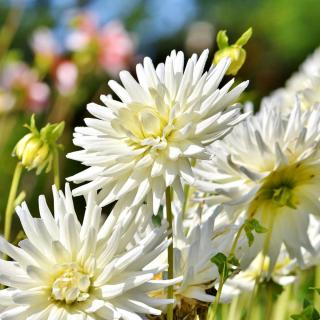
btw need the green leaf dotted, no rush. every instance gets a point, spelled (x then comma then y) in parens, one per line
(220, 260)
(272, 287)
(244, 38)
(222, 39)
(309, 313)
(233, 261)
(249, 235)
(156, 220)
(251, 225)
(315, 289)
(226, 266)
(257, 227)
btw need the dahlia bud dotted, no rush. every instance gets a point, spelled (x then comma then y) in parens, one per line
(35, 150)
(235, 52)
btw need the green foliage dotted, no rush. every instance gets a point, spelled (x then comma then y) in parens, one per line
(251, 225)
(226, 266)
(274, 288)
(309, 312)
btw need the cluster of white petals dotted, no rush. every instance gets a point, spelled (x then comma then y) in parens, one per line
(305, 84)
(68, 270)
(138, 146)
(283, 274)
(268, 168)
(194, 246)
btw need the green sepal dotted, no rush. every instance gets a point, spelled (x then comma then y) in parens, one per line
(222, 39)
(244, 38)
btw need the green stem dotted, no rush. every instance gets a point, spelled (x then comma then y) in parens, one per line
(316, 296)
(233, 310)
(11, 200)
(257, 280)
(269, 305)
(186, 191)
(56, 174)
(214, 307)
(170, 253)
(9, 29)
(235, 241)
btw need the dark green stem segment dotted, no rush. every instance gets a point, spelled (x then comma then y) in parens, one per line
(170, 253)
(11, 200)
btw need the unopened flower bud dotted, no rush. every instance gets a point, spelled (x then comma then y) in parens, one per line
(235, 51)
(35, 150)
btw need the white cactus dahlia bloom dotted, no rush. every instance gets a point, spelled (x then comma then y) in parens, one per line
(268, 168)
(144, 143)
(67, 271)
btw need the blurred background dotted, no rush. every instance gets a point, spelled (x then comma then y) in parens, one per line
(56, 56)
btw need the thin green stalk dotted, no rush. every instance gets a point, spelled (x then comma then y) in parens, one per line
(233, 310)
(186, 191)
(235, 241)
(280, 312)
(257, 280)
(56, 173)
(11, 200)
(269, 305)
(170, 253)
(214, 307)
(316, 297)
(8, 30)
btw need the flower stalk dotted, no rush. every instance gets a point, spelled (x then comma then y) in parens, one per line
(170, 253)
(56, 171)
(11, 200)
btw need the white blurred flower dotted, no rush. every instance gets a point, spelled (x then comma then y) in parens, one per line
(268, 168)
(7, 101)
(282, 274)
(65, 270)
(145, 143)
(305, 84)
(43, 42)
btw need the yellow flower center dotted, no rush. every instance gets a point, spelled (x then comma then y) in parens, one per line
(281, 188)
(144, 126)
(72, 285)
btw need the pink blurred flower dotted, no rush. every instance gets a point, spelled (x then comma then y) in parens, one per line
(117, 47)
(66, 76)
(25, 85)
(111, 45)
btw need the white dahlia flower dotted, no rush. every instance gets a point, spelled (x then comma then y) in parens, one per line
(144, 143)
(305, 84)
(67, 271)
(268, 168)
